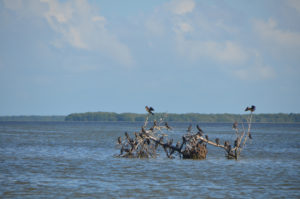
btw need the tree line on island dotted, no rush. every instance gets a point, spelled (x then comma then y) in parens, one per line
(186, 117)
(171, 117)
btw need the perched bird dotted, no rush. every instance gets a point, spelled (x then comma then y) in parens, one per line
(126, 134)
(189, 128)
(136, 135)
(206, 137)
(154, 123)
(183, 139)
(235, 143)
(149, 109)
(119, 140)
(199, 129)
(235, 125)
(252, 108)
(250, 136)
(170, 142)
(121, 150)
(147, 141)
(141, 135)
(226, 144)
(131, 141)
(229, 148)
(217, 141)
(167, 126)
(200, 133)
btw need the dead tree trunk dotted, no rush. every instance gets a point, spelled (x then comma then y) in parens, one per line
(144, 144)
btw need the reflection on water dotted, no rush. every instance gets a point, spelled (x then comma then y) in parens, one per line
(76, 159)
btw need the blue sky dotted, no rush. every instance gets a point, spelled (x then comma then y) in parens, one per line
(179, 56)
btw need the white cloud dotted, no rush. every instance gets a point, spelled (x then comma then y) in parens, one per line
(78, 24)
(184, 27)
(294, 4)
(269, 31)
(226, 51)
(99, 18)
(13, 4)
(82, 27)
(258, 72)
(181, 7)
(155, 26)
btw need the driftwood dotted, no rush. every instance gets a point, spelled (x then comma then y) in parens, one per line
(144, 144)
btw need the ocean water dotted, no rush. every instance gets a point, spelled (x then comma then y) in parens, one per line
(76, 160)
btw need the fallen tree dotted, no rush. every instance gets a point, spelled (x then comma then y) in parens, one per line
(144, 143)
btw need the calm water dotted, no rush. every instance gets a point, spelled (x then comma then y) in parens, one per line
(76, 160)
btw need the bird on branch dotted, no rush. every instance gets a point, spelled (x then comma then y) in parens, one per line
(149, 110)
(200, 132)
(167, 126)
(206, 137)
(189, 128)
(235, 125)
(143, 130)
(226, 144)
(154, 123)
(218, 141)
(250, 136)
(252, 108)
(126, 134)
(119, 140)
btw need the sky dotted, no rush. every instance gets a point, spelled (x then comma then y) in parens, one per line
(178, 56)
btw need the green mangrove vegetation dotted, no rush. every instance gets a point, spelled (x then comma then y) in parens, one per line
(170, 117)
(187, 117)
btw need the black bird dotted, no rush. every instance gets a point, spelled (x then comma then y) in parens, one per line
(235, 125)
(200, 133)
(235, 143)
(131, 141)
(183, 139)
(147, 141)
(167, 126)
(229, 148)
(126, 134)
(154, 123)
(161, 139)
(226, 144)
(252, 108)
(136, 135)
(121, 150)
(218, 141)
(170, 142)
(206, 137)
(250, 136)
(189, 128)
(199, 129)
(119, 140)
(149, 109)
(141, 135)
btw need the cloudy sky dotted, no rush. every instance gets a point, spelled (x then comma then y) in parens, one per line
(179, 56)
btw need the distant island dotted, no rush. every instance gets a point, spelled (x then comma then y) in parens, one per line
(170, 117)
(186, 117)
